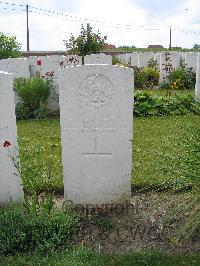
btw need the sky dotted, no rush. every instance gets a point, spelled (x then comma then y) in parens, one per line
(125, 22)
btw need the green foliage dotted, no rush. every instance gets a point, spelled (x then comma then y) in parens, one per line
(147, 104)
(182, 78)
(151, 77)
(146, 78)
(33, 94)
(21, 231)
(138, 78)
(86, 43)
(9, 47)
(153, 63)
(116, 61)
(196, 46)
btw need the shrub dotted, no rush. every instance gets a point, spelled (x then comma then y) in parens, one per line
(88, 42)
(146, 104)
(138, 78)
(153, 63)
(182, 78)
(20, 231)
(9, 47)
(33, 94)
(146, 78)
(116, 61)
(151, 77)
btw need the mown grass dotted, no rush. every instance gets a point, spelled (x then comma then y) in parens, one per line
(165, 151)
(82, 256)
(40, 152)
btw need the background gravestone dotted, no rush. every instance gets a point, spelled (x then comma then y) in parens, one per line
(135, 59)
(98, 59)
(191, 60)
(96, 107)
(144, 59)
(19, 67)
(10, 184)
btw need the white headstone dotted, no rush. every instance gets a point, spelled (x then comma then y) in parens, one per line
(125, 58)
(19, 67)
(175, 57)
(96, 106)
(166, 66)
(135, 59)
(11, 190)
(197, 86)
(98, 59)
(191, 60)
(144, 59)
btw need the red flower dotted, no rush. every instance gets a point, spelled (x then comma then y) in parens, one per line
(7, 144)
(39, 62)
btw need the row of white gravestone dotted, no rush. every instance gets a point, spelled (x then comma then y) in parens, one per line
(96, 129)
(28, 67)
(141, 59)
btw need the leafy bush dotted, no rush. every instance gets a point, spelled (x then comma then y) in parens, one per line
(20, 231)
(151, 77)
(138, 78)
(146, 104)
(116, 60)
(33, 94)
(88, 42)
(9, 47)
(146, 78)
(182, 78)
(153, 63)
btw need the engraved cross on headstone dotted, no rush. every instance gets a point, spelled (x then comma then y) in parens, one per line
(96, 154)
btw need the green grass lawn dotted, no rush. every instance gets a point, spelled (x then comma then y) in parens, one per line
(165, 154)
(81, 257)
(165, 151)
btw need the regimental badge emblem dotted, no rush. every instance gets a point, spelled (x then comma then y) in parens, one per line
(96, 91)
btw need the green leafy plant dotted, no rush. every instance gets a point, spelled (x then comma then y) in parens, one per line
(116, 61)
(182, 77)
(147, 104)
(21, 231)
(153, 63)
(138, 77)
(35, 226)
(151, 77)
(88, 42)
(33, 94)
(146, 78)
(9, 47)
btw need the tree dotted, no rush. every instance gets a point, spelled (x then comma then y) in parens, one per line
(9, 47)
(196, 46)
(86, 43)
